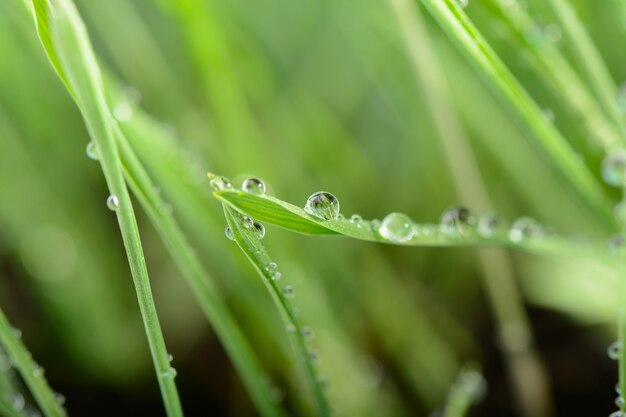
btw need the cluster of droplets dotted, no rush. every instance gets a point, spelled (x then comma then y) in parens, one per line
(614, 351)
(251, 185)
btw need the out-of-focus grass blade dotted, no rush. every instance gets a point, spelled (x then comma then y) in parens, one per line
(469, 388)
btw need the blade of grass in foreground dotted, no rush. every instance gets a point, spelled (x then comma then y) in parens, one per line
(255, 251)
(206, 293)
(280, 213)
(469, 388)
(471, 43)
(62, 32)
(31, 373)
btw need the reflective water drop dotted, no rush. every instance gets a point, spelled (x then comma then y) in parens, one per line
(17, 332)
(170, 357)
(229, 233)
(492, 225)
(616, 414)
(375, 224)
(396, 227)
(457, 220)
(276, 276)
(254, 186)
(288, 291)
(92, 151)
(248, 223)
(113, 203)
(259, 230)
(323, 205)
(525, 228)
(220, 183)
(60, 398)
(308, 333)
(171, 373)
(18, 402)
(619, 401)
(463, 3)
(38, 371)
(271, 267)
(357, 220)
(291, 328)
(614, 350)
(122, 112)
(614, 167)
(313, 356)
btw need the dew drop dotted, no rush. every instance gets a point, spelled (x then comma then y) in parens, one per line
(113, 203)
(616, 414)
(220, 183)
(38, 371)
(171, 373)
(276, 276)
(229, 233)
(18, 402)
(614, 350)
(619, 401)
(375, 224)
(357, 220)
(92, 151)
(291, 328)
(396, 227)
(254, 186)
(122, 112)
(17, 332)
(308, 333)
(491, 226)
(525, 228)
(614, 167)
(288, 291)
(170, 357)
(248, 223)
(457, 221)
(60, 398)
(271, 267)
(463, 3)
(259, 230)
(323, 205)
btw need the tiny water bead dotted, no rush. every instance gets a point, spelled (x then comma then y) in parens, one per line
(229, 233)
(220, 183)
(259, 230)
(619, 401)
(38, 371)
(396, 227)
(614, 350)
(17, 333)
(113, 203)
(457, 220)
(18, 402)
(92, 151)
(288, 291)
(271, 267)
(248, 223)
(308, 333)
(357, 220)
(276, 276)
(525, 228)
(323, 205)
(170, 357)
(171, 373)
(60, 398)
(491, 226)
(614, 167)
(254, 186)
(463, 3)
(617, 413)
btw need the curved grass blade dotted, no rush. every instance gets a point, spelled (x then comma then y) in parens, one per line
(280, 213)
(258, 256)
(31, 373)
(68, 46)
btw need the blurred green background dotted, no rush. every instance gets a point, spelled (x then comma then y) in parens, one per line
(308, 95)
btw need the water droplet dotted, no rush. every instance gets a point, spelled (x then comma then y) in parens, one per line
(616, 243)
(276, 276)
(220, 183)
(229, 233)
(291, 328)
(171, 373)
(254, 186)
(248, 223)
(259, 230)
(313, 356)
(38, 371)
(18, 402)
(60, 398)
(170, 357)
(271, 267)
(617, 414)
(18, 333)
(375, 224)
(614, 350)
(323, 205)
(357, 220)
(92, 151)
(525, 228)
(122, 112)
(552, 32)
(492, 225)
(614, 167)
(619, 401)
(463, 3)
(457, 220)
(308, 333)
(396, 227)
(288, 291)
(113, 203)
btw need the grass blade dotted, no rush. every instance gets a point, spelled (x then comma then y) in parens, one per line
(69, 49)
(258, 256)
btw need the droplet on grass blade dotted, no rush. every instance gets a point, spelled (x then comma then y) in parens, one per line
(254, 186)
(614, 167)
(288, 291)
(92, 151)
(491, 226)
(322, 205)
(396, 227)
(113, 203)
(525, 228)
(259, 230)
(356, 220)
(614, 350)
(220, 183)
(457, 221)
(229, 233)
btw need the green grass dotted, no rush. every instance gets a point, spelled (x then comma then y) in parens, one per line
(397, 106)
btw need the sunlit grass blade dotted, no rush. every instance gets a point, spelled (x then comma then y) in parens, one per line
(31, 372)
(255, 251)
(470, 42)
(204, 289)
(469, 387)
(69, 49)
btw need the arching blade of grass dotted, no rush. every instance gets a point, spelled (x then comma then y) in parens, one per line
(31, 373)
(528, 375)
(471, 43)
(280, 213)
(258, 256)
(67, 43)
(468, 388)
(213, 307)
